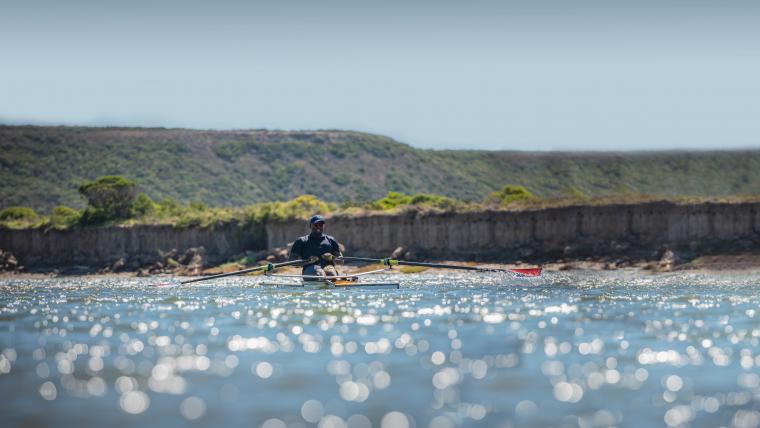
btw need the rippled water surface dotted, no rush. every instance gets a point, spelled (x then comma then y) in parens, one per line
(569, 349)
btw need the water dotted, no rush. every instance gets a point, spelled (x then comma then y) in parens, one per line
(571, 349)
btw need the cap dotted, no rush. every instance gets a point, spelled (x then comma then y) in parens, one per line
(316, 218)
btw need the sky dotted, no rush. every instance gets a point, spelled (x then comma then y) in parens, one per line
(477, 74)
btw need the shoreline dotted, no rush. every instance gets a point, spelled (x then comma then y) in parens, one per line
(710, 263)
(657, 236)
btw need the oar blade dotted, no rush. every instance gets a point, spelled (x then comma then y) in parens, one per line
(527, 272)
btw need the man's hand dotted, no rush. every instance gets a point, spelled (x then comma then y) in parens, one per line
(328, 257)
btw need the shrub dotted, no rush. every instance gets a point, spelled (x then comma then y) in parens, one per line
(437, 201)
(64, 217)
(17, 213)
(94, 217)
(198, 206)
(300, 207)
(143, 205)
(397, 199)
(110, 197)
(509, 194)
(390, 201)
(169, 207)
(574, 192)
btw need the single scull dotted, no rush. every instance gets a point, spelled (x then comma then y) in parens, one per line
(342, 281)
(351, 281)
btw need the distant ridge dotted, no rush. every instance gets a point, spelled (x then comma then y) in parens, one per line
(42, 166)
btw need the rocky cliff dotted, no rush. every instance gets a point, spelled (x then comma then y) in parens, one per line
(137, 245)
(636, 230)
(643, 231)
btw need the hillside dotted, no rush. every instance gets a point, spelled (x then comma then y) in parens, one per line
(43, 166)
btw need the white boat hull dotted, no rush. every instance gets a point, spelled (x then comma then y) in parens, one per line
(340, 285)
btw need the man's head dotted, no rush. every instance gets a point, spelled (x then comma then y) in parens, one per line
(317, 224)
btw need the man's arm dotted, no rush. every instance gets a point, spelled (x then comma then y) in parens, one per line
(335, 248)
(296, 251)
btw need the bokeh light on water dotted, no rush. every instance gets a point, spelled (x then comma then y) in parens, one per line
(577, 349)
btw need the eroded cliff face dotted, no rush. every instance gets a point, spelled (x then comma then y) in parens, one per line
(137, 245)
(635, 230)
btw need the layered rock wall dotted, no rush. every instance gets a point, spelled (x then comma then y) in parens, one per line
(137, 245)
(640, 230)
(635, 230)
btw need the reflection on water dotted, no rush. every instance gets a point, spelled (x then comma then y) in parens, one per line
(584, 349)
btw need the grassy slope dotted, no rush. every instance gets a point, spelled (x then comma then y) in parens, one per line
(43, 166)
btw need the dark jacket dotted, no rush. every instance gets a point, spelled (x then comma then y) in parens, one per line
(309, 245)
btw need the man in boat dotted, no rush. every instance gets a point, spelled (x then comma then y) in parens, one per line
(318, 244)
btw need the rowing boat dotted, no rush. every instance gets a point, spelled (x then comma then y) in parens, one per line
(352, 281)
(344, 282)
(325, 284)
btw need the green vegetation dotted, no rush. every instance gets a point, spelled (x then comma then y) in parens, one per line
(64, 217)
(391, 201)
(509, 194)
(108, 198)
(111, 200)
(576, 193)
(18, 213)
(19, 217)
(395, 200)
(300, 207)
(42, 167)
(143, 206)
(172, 212)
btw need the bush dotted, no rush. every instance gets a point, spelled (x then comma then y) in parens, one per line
(169, 208)
(303, 206)
(110, 197)
(64, 217)
(437, 201)
(198, 206)
(509, 194)
(397, 199)
(574, 192)
(17, 213)
(143, 206)
(390, 201)
(94, 217)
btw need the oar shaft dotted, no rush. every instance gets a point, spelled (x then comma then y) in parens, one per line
(391, 262)
(438, 265)
(240, 272)
(405, 263)
(361, 259)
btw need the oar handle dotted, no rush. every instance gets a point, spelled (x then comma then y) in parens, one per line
(267, 267)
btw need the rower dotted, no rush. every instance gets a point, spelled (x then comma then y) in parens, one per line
(316, 243)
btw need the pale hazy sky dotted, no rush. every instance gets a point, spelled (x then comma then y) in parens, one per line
(529, 75)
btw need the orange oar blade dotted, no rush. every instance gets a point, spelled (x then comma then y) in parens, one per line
(528, 272)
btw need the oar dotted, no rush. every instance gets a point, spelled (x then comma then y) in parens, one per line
(337, 276)
(393, 262)
(267, 267)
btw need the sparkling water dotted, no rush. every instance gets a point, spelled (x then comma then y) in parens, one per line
(575, 349)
